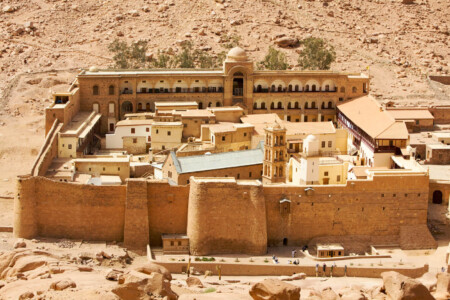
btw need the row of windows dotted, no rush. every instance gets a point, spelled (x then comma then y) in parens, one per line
(294, 105)
(297, 88)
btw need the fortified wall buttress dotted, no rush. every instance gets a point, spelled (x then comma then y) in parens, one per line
(226, 217)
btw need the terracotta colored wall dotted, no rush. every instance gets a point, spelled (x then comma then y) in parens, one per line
(226, 217)
(356, 209)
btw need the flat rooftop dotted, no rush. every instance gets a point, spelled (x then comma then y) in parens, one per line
(439, 172)
(81, 124)
(177, 103)
(135, 122)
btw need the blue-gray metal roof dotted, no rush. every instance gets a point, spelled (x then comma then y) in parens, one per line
(199, 163)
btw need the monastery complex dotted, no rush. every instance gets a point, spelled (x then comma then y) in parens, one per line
(233, 160)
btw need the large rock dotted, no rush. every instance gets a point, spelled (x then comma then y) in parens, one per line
(274, 289)
(193, 281)
(150, 268)
(63, 284)
(428, 280)
(329, 294)
(114, 275)
(443, 286)
(286, 42)
(400, 287)
(137, 285)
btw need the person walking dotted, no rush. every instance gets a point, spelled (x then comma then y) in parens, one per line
(331, 270)
(345, 270)
(324, 269)
(317, 270)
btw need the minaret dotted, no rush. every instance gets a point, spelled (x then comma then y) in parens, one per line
(274, 165)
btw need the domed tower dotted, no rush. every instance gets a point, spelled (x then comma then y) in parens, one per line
(238, 69)
(274, 164)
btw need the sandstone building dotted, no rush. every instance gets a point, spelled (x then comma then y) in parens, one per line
(231, 202)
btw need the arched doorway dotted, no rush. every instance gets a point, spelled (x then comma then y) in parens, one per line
(437, 197)
(238, 84)
(127, 107)
(285, 242)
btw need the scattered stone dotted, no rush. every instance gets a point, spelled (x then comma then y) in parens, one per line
(398, 286)
(274, 289)
(194, 281)
(286, 42)
(236, 22)
(20, 244)
(2, 283)
(26, 295)
(134, 13)
(85, 269)
(150, 268)
(298, 276)
(9, 9)
(63, 284)
(329, 294)
(114, 275)
(408, 1)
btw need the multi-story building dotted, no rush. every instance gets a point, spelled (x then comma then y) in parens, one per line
(294, 95)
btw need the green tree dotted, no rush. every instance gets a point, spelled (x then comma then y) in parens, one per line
(128, 56)
(317, 54)
(274, 60)
(162, 61)
(186, 59)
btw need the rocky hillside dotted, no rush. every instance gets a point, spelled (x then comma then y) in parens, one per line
(400, 42)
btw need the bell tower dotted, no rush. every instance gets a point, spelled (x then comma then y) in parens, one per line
(274, 164)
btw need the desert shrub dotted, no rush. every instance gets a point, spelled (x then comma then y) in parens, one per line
(128, 56)
(209, 290)
(317, 54)
(274, 60)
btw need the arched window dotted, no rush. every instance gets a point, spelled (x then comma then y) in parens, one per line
(280, 88)
(296, 104)
(95, 90)
(296, 88)
(313, 104)
(342, 89)
(209, 104)
(139, 106)
(330, 104)
(280, 105)
(255, 105)
(263, 105)
(147, 106)
(200, 105)
(327, 88)
(111, 90)
(313, 88)
(307, 88)
(272, 105)
(354, 90)
(259, 88)
(323, 105)
(217, 104)
(273, 88)
(95, 107)
(290, 88)
(289, 105)
(306, 105)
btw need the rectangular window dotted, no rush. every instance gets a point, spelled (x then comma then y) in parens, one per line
(249, 174)
(69, 146)
(157, 131)
(338, 178)
(323, 144)
(172, 243)
(147, 129)
(325, 174)
(329, 144)
(133, 130)
(169, 133)
(118, 169)
(179, 243)
(245, 133)
(134, 141)
(223, 138)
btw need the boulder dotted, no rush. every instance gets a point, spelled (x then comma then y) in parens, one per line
(137, 285)
(274, 289)
(9, 9)
(400, 287)
(2, 283)
(20, 244)
(63, 284)
(26, 295)
(329, 294)
(85, 269)
(150, 268)
(443, 286)
(286, 42)
(114, 275)
(298, 276)
(353, 295)
(194, 281)
(408, 1)
(428, 280)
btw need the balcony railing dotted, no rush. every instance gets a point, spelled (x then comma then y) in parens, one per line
(238, 91)
(177, 90)
(287, 90)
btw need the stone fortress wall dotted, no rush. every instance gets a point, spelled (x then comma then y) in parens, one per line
(221, 215)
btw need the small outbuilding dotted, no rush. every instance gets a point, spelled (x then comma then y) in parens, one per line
(175, 244)
(329, 250)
